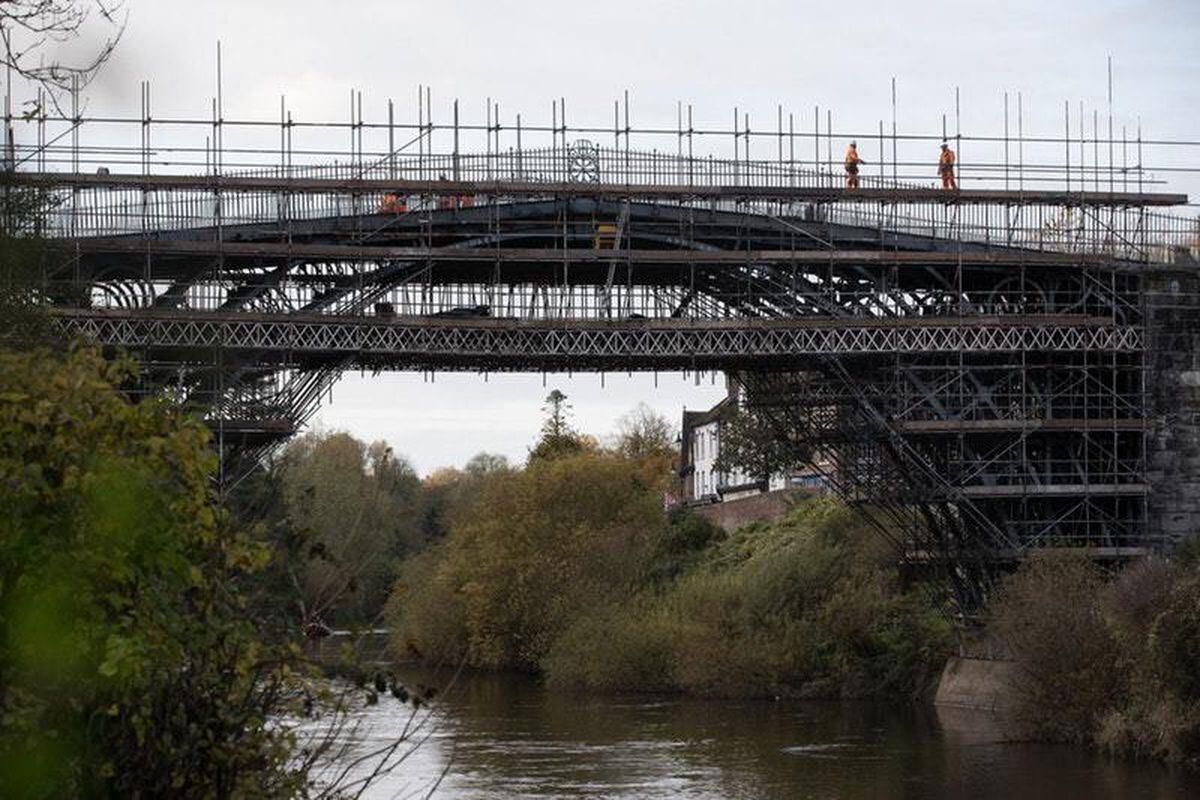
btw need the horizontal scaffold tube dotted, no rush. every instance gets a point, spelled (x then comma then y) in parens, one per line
(516, 188)
(353, 252)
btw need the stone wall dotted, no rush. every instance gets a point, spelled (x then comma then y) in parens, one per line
(980, 683)
(1173, 392)
(733, 514)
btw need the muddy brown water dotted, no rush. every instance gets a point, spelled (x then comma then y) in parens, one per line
(504, 736)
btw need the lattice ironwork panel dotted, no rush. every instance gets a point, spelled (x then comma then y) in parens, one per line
(632, 343)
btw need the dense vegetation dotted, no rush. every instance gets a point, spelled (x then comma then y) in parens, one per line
(1111, 659)
(127, 663)
(336, 515)
(570, 568)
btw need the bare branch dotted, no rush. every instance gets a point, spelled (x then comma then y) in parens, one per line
(27, 27)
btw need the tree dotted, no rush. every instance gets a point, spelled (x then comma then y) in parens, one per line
(28, 260)
(752, 444)
(557, 409)
(29, 27)
(128, 664)
(558, 437)
(351, 512)
(484, 464)
(648, 439)
(447, 492)
(1048, 615)
(540, 544)
(644, 433)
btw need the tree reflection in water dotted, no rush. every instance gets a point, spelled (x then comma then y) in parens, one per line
(503, 736)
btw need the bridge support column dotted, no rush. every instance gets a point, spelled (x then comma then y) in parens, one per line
(1173, 397)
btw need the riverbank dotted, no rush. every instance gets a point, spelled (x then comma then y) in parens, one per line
(567, 569)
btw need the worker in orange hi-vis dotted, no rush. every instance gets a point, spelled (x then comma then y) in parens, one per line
(393, 204)
(852, 162)
(946, 167)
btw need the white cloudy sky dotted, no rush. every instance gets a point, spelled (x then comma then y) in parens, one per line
(714, 54)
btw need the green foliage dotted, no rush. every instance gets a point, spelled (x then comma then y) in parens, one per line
(558, 439)
(752, 443)
(647, 438)
(571, 569)
(448, 491)
(807, 606)
(1052, 601)
(1108, 659)
(642, 433)
(1174, 640)
(127, 664)
(350, 513)
(28, 266)
(536, 548)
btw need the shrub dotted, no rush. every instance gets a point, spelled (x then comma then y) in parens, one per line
(1174, 641)
(539, 547)
(798, 607)
(638, 655)
(128, 666)
(1048, 613)
(426, 611)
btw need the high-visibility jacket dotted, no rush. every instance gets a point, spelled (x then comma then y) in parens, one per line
(852, 159)
(393, 204)
(946, 161)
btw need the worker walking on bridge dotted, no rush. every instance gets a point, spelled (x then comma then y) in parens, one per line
(946, 167)
(852, 162)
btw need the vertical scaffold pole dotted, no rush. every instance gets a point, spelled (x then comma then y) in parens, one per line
(455, 164)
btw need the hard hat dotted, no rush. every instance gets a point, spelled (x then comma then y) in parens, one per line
(854, 144)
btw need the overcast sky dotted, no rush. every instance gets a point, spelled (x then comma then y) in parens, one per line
(715, 55)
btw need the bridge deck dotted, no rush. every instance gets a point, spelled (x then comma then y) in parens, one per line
(813, 194)
(1000, 256)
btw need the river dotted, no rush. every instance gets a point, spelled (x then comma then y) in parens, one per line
(503, 736)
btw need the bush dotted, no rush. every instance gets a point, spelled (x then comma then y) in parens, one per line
(806, 606)
(427, 612)
(1048, 614)
(537, 549)
(1174, 641)
(638, 654)
(1113, 660)
(128, 666)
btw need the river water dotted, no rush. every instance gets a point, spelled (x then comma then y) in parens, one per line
(503, 736)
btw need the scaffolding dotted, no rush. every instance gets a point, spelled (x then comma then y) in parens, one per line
(972, 366)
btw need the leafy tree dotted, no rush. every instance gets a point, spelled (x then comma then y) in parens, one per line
(483, 464)
(538, 546)
(350, 513)
(27, 261)
(128, 666)
(1048, 615)
(449, 491)
(557, 409)
(647, 438)
(752, 444)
